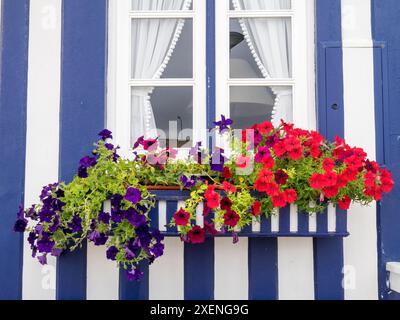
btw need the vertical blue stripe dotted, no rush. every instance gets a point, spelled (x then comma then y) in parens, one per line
(134, 290)
(83, 80)
(153, 216)
(266, 224)
(199, 271)
(303, 225)
(210, 55)
(328, 265)
(284, 220)
(263, 268)
(341, 220)
(322, 222)
(13, 97)
(328, 252)
(385, 16)
(171, 209)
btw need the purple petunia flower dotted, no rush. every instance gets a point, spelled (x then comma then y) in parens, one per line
(116, 200)
(223, 124)
(105, 134)
(88, 162)
(116, 216)
(46, 214)
(76, 224)
(56, 224)
(111, 253)
(104, 217)
(45, 244)
(129, 254)
(188, 182)
(42, 259)
(156, 234)
(98, 238)
(133, 195)
(82, 172)
(56, 252)
(136, 219)
(134, 275)
(158, 250)
(217, 160)
(20, 225)
(32, 238)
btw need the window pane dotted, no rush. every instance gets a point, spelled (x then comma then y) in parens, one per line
(162, 48)
(166, 112)
(266, 51)
(251, 105)
(260, 4)
(160, 5)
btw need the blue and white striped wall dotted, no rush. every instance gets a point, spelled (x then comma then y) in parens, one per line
(52, 104)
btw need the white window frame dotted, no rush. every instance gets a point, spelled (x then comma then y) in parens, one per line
(303, 51)
(119, 69)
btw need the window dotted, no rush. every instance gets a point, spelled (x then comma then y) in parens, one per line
(269, 73)
(157, 66)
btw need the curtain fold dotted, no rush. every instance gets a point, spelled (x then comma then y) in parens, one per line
(153, 43)
(270, 41)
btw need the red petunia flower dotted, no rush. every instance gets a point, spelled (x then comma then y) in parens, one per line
(243, 162)
(197, 235)
(265, 127)
(271, 189)
(373, 192)
(291, 196)
(263, 153)
(256, 208)
(349, 174)
(387, 184)
(328, 164)
(331, 191)
(330, 178)
(344, 203)
(228, 187)
(268, 163)
(279, 200)
(226, 204)
(181, 217)
(317, 181)
(369, 179)
(291, 144)
(231, 218)
(341, 181)
(261, 185)
(279, 149)
(296, 154)
(212, 197)
(315, 151)
(227, 173)
(353, 162)
(265, 175)
(281, 177)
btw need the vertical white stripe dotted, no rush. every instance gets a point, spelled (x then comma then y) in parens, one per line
(312, 222)
(166, 273)
(275, 221)
(162, 215)
(360, 249)
(102, 281)
(102, 275)
(231, 269)
(256, 225)
(295, 269)
(331, 218)
(42, 141)
(199, 215)
(294, 219)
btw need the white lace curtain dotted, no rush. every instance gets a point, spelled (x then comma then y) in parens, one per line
(270, 43)
(154, 41)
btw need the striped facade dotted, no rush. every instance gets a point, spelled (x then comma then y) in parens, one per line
(53, 93)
